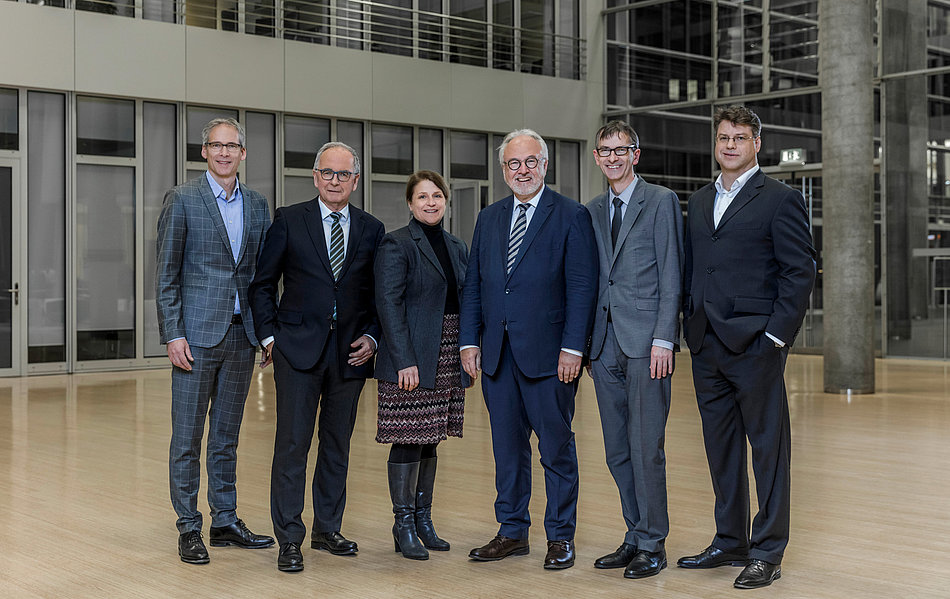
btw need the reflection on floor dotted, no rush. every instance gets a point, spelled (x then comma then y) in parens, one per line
(84, 508)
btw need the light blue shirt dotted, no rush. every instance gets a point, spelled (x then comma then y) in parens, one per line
(232, 212)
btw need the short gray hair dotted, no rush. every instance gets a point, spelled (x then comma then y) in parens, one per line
(519, 133)
(337, 144)
(206, 132)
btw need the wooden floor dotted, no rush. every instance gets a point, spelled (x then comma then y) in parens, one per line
(84, 508)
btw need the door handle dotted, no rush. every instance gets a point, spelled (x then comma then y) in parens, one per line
(16, 294)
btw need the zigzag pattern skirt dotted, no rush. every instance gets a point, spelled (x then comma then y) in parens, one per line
(425, 416)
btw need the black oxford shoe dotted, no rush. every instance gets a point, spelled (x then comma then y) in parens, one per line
(711, 557)
(290, 559)
(645, 563)
(618, 559)
(560, 555)
(758, 574)
(333, 542)
(238, 534)
(191, 549)
(499, 548)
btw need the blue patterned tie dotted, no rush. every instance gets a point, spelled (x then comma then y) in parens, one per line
(336, 250)
(517, 235)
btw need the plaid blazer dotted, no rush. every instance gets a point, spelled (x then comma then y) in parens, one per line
(197, 275)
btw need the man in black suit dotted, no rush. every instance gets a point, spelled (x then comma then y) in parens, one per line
(750, 267)
(321, 338)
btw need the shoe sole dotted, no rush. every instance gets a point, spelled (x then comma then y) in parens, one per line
(241, 545)
(559, 566)
(322, 547)
(516, 552)
(290, 568)
(647, 575)
(196, 561)
(735, 563)
(758, 586)
(611, 566)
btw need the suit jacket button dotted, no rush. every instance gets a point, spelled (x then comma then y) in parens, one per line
(504, 323)
(604, 308)
(715, 238)
(610, 282)
(710, 270)
(507, 291)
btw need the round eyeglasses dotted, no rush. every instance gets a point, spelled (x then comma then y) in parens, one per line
(515, 164)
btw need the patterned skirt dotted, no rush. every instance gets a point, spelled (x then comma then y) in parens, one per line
(424, 416)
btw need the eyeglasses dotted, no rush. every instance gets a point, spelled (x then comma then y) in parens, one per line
(619, 151)
(738, 139)
(514, 164)
(327, 174)
(217, 146)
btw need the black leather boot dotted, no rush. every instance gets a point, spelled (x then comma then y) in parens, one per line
(402, 490)
(424, 526)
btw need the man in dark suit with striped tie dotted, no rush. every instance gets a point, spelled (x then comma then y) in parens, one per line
(321, 337)
(209, 232)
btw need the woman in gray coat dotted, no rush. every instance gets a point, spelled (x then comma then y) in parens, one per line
(419, 274)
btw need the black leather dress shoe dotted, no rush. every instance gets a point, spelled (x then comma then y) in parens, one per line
(333, 542)
(758, 574)
(711, 557)
(618, 559)
(191, 549)
(499, 548)
(290, 559)
(560, 555)
(238, 534)
(645, 563)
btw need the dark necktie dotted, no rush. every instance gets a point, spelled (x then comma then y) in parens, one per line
(615, 221)
(517, 234)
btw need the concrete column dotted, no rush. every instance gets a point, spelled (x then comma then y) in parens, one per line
(847, 125)
(905, 131)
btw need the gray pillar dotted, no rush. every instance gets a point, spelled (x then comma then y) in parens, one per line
(905, 131)
(847, 125)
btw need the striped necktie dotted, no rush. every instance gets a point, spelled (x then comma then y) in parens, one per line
(517, 235)
(336, 245)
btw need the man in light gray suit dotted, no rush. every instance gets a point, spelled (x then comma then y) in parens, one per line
(639, 232)
(209, 232)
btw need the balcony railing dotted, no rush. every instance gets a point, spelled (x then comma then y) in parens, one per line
(370, 26)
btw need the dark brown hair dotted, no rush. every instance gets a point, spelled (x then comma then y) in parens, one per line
(617, 128)
(420, 176)
(738, 115)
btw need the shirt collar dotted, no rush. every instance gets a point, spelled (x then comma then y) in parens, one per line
(738, 183)
(217, 190)
(325, 211)
(533, 202)
(627, 192)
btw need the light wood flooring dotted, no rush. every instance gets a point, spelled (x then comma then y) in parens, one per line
(84, 508)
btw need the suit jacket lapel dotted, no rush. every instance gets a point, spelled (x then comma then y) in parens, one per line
(315, 227)
(455, 255)
(356, 234)
(708, 205)
(745, 195)
(504, 231)
(600, 215)
(541, 214)
(212, 205)
(425, 248)
(246, 209)
(634, 206)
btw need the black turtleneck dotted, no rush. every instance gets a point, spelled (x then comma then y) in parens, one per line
(436, 237)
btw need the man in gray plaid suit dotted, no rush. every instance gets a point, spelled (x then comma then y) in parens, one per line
(209, 232)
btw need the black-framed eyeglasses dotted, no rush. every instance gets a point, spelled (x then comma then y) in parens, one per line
(530, 162)
(619, 151)
(738, 139)
(327, 174)
(217, 146)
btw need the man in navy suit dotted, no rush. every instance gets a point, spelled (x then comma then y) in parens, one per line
(209, 231)
(321, 337)
(526, 314)
(750, 267)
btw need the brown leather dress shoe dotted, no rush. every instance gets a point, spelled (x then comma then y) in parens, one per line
(333, 542)
(712, 557)
(758, 574)
(499, 548)
(560, 555)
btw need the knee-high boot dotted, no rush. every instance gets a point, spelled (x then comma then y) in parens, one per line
(424, 487)
(402, 486)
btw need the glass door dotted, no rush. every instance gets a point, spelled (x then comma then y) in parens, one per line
(464, 204)
(10, 310)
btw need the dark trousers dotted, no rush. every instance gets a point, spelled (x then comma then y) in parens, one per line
(216, 388)
(743, 396)
(633, 413)
(518, 405)
(299, 394)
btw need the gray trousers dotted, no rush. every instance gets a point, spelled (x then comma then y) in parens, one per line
(633, 413)
(216, 388)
